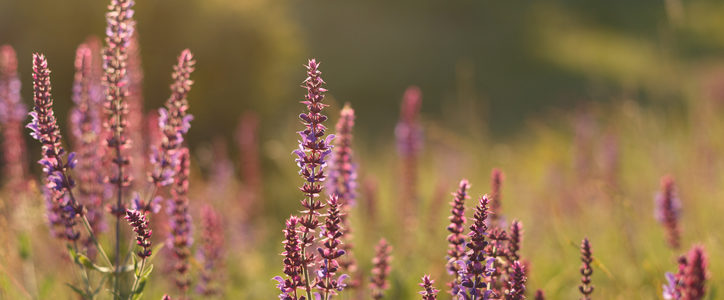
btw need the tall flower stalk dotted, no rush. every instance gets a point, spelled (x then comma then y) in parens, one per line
(477, 262)
(181, 238)
(381, 269)
(174, 122)
(56, 164)
(331, 251)
(12, 114)
(312, 155)
(496, 182)
(343, 182)
(293, 262)
(119, 29)
(456, 239)
(695, 274)
(668, 211)
(211, 253)
(85, 125)
(586, 288)
(516, 282)
(409, 144)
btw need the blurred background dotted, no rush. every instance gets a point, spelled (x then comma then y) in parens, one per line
(550, 91)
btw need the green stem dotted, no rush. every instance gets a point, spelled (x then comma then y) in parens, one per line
(138, 279)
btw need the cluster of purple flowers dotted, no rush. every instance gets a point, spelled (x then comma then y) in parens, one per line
(689, 283)
(668, 211)
(44, 128)
(137, 220)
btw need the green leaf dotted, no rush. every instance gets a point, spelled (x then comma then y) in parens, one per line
(77, 290)
(139, 290)
(147, 271)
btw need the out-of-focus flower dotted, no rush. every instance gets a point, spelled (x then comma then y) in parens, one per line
(668, 211)
(12, 115)
(381, 269)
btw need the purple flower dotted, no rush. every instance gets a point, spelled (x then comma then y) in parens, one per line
(381, 269)
(293, 262)
(173, 121)
(312, 158)
(516, 282)
(210, 252)
(695, 274)
(181, 239)
(671, 288)
(456, 238)
(496, 181)
(668, 211)
(119, 29)
(429, 292)
(477, 263)
(343, 181)
(12, 115)
(330, 252)
(86, 129)
(44, 128)
(409, 143)
(138, 221)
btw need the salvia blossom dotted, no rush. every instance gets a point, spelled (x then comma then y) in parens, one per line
(467, 288)
(331, 251)
(408, 133)
(586, 288)
(675, 282)
(86, 129)
(539, 295)
(119, 29)
(293, 262)
(668, 211)
(496, 181)
(456, 238)
(381, 269)
(516, 282)
(514, 240)
(211, 251)
(476, 260)
(44, 128)
(173, 122)
(181, 239)
(12, 115)
(429, 292)
(672, 288)
(138, 221)
(496, 249)
(166, 297)
(695, 274)
(53, 214)
(311, 159)
(343, 181)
